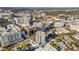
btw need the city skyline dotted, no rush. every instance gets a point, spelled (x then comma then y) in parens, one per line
(39, 29)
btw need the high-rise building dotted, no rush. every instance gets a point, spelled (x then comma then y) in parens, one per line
(0, 13)
(3, 37)
(4, 40)
(26, 19)
(10, 35)
(40, 37)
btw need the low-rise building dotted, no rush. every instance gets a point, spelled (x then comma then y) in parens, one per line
(58, 24)
(47, 47)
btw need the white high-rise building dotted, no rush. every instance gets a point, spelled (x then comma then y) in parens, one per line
(25, 19)
(40, 37)
(15, 33)
(3, 37)
(0, 13)
(4, 40)
(10, 35)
